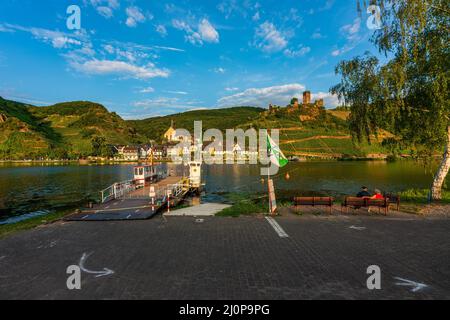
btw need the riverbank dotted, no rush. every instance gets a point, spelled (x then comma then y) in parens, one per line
(9, 229)
(245, 205)
(414, 202)
(81, 162)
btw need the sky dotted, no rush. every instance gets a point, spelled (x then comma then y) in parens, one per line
(145, 58)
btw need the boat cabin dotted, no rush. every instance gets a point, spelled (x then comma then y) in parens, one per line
(195, 174)
(144, 175)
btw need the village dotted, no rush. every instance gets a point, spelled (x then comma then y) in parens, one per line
(174, 145)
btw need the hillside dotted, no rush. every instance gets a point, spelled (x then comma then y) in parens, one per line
(60, 131)
(325, 136)
(222, 119)
(66, 130)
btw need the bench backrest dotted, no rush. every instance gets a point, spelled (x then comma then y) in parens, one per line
(314, 201)
(355, 201)
(365, 202)
(377, 202)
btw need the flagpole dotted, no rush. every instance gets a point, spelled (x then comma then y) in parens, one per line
(268, 180)
(268, 174)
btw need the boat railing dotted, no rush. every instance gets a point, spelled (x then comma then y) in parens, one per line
(129, 190)
(179, 188)
(117, 190)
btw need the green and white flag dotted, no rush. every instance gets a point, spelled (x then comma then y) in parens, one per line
(276, 156)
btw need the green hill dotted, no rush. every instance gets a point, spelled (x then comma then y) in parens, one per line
(66, 130)
(326, 135)
(60, 131)
(222, 119)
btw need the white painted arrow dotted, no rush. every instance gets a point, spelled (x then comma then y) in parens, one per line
(416, 286)
(104, 273)
(358, 228)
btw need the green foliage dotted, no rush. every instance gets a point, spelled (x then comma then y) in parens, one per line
(222, 119)
(6, 230)
(62, 131)
(86, 129)
(421, 196)
(409, 95)
(243, 204)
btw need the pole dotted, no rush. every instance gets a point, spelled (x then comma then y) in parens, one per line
(268, 190)
(168, 201)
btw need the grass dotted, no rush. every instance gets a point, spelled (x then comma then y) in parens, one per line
(32, 223)
(244, 204)
(420, 196)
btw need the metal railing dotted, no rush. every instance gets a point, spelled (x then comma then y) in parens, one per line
(117, 190)
(128, 190)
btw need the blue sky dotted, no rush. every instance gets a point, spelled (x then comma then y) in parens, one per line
(145, 58)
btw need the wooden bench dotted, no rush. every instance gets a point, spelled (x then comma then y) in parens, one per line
(314, 202)
(393, 199)
(358, 203)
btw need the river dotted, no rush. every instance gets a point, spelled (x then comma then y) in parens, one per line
(31, 190)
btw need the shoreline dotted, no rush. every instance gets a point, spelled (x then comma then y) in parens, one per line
(88, 162)
(244, 207)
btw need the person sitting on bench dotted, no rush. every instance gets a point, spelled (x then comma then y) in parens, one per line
(378, 195)
(364, 193)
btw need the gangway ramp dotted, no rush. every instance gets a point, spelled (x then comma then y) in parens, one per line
(137, 204)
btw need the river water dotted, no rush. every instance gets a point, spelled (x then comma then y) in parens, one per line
(27, 191)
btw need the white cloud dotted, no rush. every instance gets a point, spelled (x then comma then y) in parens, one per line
(219, 70)
(331, 101)
(147, 90)
(229, 7)
(269, 39)
(106, 12)
(279, 95)
(207, 31)
(161, 30)
(301, 51)
(169, 49)
(131, 53)
(351, 30)
(177, 92)
(62, 42)
(57, 39)
(165, 105)
(256, 17)
(105, 7)
(109, 48)
(261, 97)
(204, 32)
(353, 38)
(134, 16)
(317, 35)
(121, 68)
(3, 28)
(231, 89)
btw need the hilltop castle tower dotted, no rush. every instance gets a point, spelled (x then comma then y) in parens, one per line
(306, 98)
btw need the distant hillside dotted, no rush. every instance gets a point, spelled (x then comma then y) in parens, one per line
(325, 136)
(66, 130)
(60, 131)
(222, 119)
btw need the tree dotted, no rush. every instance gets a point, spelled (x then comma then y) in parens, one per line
(98, 145)
(409, 94)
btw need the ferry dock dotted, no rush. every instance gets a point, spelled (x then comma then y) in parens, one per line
(143, 197)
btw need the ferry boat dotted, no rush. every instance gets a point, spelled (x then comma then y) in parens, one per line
(146, 175)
